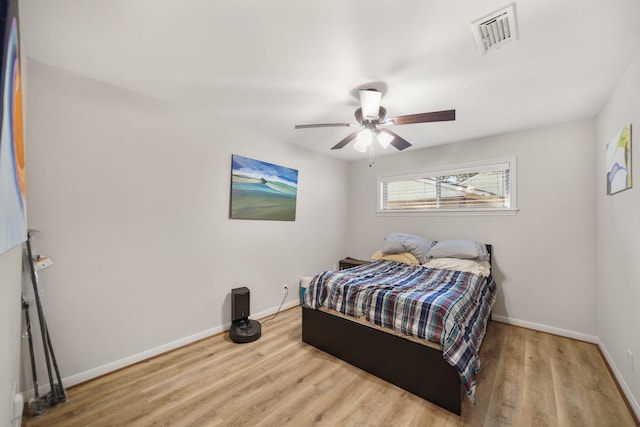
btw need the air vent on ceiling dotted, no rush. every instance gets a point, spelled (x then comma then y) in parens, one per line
(492, 31)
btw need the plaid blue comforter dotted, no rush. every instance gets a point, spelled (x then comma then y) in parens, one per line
(447, 307)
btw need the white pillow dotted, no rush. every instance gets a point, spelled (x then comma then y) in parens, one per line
(457, 248)
(481, 268)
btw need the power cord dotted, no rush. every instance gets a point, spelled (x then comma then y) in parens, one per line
(275, 315)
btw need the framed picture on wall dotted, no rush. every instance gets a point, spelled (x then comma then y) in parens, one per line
(261, 190)
(13, 198)
(619, 161)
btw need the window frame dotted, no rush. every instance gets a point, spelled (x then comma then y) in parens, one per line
(456, 169)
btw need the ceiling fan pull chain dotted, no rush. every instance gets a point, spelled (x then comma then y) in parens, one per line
(371, 148)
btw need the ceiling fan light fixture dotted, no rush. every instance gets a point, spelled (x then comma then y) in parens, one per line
(384, 139)
(370, 102)
(363, 141)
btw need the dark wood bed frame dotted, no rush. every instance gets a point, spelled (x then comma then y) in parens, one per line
(414, 367)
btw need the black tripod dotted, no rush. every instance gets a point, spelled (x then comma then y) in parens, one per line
(36, 407)
(57, 394)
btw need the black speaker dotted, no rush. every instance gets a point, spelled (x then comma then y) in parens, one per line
(239, 304)
(243, 329)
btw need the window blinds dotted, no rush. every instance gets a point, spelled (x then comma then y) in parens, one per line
(480, 187)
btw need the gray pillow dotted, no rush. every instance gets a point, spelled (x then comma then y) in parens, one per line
(396, 243)
(458, 248)
(393, 243)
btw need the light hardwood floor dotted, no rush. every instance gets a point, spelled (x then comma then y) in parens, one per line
(528, 378)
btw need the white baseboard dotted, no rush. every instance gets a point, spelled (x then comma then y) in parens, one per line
(623, 385)
(118, 364)
(545, 328)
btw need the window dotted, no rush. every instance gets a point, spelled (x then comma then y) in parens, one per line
(477, 188)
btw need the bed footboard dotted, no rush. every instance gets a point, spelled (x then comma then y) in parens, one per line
(416, 368)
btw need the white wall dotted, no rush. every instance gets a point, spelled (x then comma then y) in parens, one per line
(544, 257)
(132, 200)
(10, 330)
(619, 239)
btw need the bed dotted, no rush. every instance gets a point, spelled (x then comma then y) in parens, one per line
(416, 325)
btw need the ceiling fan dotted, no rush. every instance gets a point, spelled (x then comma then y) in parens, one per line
(370, 115)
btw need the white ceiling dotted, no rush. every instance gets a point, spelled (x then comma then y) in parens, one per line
(268, 65)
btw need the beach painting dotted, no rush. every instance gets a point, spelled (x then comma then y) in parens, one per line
(13, 196)
(261, 190)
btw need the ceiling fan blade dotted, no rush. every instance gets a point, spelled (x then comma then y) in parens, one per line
(326, 125)
(345, 141)
(434, 116)
(399, 142)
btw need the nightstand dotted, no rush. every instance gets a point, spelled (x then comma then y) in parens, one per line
(349, 262)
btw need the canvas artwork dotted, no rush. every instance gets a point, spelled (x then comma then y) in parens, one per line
(13, 211)
(619, 161)
(261, 190)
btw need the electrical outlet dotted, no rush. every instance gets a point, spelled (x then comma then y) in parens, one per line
(285, 288)
(630, 360)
